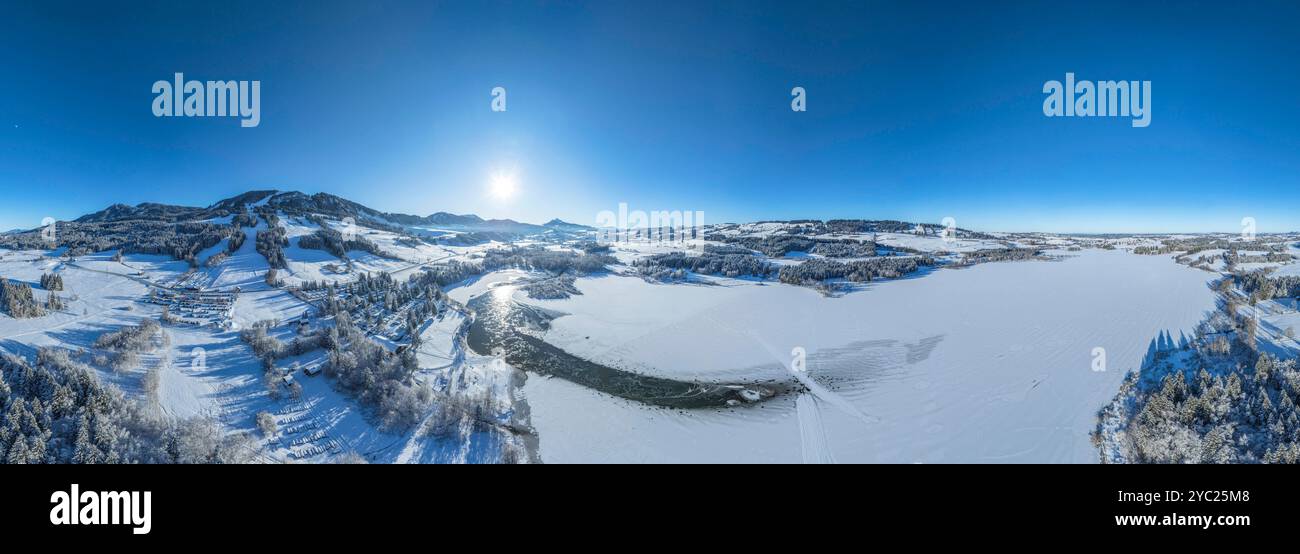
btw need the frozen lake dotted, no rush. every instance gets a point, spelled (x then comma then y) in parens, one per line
(992, 363)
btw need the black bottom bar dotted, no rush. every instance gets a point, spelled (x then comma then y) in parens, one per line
(321, 504)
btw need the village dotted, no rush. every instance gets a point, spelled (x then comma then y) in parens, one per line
(193, 306)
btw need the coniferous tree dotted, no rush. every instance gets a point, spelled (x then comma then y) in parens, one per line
(17, 300)
(84, 451)
(17, 451)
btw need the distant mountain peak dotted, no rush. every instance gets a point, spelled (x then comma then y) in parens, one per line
(237, 203)
(453, 219)
(324, 204)
(562, 225)
(144, 210)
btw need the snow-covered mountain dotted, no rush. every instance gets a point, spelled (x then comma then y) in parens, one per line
(561, 225)
(324, 204)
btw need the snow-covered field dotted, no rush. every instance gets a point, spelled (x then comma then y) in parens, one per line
(935, 243)
(97, 300)
(992, 363)
(988, 363)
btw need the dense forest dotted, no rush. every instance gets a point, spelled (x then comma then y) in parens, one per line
(270, 242)
(56, 411)
(777, 246)
(331, 240)
(727, 262)
(819, 270)
(180, 240)
(1213, 399)
(16, 299)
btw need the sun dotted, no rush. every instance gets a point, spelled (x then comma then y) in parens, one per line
(502, 185)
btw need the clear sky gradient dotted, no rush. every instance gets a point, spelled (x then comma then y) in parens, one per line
(916, 111)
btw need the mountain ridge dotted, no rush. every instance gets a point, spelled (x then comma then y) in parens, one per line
(321, 203)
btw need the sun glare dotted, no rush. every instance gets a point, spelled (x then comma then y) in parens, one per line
(502, 186)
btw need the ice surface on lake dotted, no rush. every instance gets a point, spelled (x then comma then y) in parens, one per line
(987, 364)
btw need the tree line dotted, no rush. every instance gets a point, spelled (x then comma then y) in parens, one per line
(721, 261)
(777, 246)
(270, 242)
(180, 240)
(820, 270)
(51, 281)
(17, 300)
(331, 240)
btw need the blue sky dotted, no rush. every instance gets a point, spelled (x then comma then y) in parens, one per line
(916, 111)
